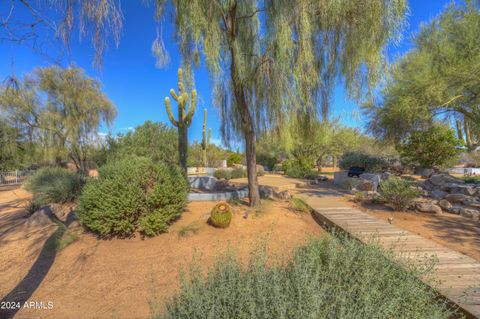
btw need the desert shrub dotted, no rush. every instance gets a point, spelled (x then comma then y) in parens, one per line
(234, 158)
(221, 215)
(222, 173)
(266, 160)
(329, 277)
(133, 194)
(472, 179)
(397, 192)
(351, 183)
(297, 169)
(54, 185)
(238, 173)
(371, 163)
(436, 147)
(32, 206)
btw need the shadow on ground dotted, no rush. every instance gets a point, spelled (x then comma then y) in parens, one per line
(27, 286)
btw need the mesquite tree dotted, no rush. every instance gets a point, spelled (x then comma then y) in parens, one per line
(268, 59)
(184, 117)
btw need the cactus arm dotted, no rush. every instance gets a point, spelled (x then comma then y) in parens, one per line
(169, 112)
(191, 111)
(180, 81)
(173, 94)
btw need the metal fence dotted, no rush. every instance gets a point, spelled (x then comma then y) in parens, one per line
(14, 177)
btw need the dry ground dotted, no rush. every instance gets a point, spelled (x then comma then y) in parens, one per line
(452, 231)
(94, 278)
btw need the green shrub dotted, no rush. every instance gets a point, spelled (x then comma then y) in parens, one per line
(54, 185)
(222, 173)
(397, 192)
(32, 206)
(266, 160)
(371, 163)
(221, 215)
(328, 278)
(436, 147)
(296, 169)
(238, 173)
(472, 179)
(133, 194)
(234, 158)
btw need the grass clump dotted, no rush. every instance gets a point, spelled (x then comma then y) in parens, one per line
(299, 205)
(133, 194)
(330, 277)
(54, 185)
(398, 193)
(188, 230)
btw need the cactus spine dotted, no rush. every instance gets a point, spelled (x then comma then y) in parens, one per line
(184, 117)
(205, 138)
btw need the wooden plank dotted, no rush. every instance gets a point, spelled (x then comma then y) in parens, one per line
(456, 272)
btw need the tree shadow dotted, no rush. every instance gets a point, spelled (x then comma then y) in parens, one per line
(27, 286)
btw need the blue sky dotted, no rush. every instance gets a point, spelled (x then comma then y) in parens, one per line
(137, 88)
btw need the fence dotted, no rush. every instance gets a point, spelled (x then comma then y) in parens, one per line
(14, 177)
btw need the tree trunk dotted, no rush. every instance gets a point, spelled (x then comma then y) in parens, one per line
(459, 130)
(182, 147)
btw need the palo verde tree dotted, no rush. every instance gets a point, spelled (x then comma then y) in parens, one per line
(267, 58)
(61, 109)
(184, 117)
(437, 78)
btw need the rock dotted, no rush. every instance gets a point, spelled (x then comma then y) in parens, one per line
(40, 217)
(424, 172)
(283, 195)
(438, 194)
(366, 185)
(221, 184)
(457, 198)
(322, 178)
(465, 189)
(428, 207)
(265, 192)
(445, 205)
(442, 179)
(470, 213)
(373, 178)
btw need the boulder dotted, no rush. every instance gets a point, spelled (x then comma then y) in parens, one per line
(265, 192)
(442, 179)
(457, 198)
(465, 189)
(40, 217)
(282, 195)
(438, 194)
(424, 172)
(428, 207)
(375, 180)
(470, 213)
(366, 186)
(445, 205)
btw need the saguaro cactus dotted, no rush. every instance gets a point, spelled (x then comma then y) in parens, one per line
(205, 139)
(184, 117)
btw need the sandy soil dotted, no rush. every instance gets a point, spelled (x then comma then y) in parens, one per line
(94, 278)
(452, 231)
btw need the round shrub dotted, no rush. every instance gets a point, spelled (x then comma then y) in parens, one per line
(133, 194)
(238, 172)
(298, 169)
(54, 185)
(371, 163)
(398, 193)
(222, 174)
(221, 215)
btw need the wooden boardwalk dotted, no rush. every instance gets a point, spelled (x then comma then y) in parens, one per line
(459, 275)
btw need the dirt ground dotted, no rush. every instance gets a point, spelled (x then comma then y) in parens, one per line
(93, 278)
(452, 231)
